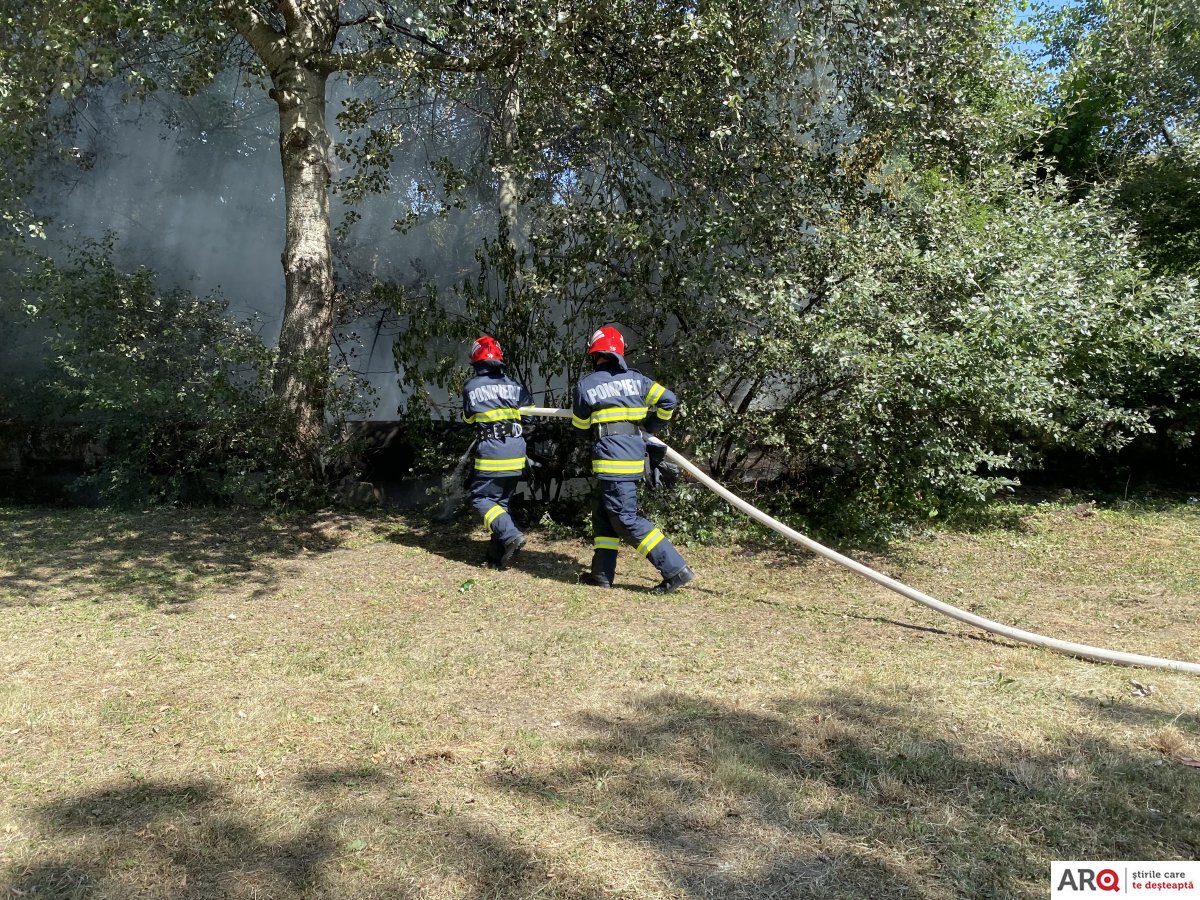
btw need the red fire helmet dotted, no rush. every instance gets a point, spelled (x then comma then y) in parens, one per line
(607, 340)
(485, 349)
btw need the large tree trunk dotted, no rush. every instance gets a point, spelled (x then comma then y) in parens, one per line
(511, 240)
(300, 57)
(510, 195)
(303, 370)
(298, 89)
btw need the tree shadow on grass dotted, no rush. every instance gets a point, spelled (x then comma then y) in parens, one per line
(841, 796)
(497, 867)
(162, 558)
(175, 839)
(1003, 514)
(457, 545)
(194, 840)
(1128, 712)
(853, 797)
(1013, 512)
(981, 637)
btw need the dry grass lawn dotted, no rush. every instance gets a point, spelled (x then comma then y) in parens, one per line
(198, 705)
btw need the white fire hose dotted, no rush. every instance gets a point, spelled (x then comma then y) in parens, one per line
(1084, 651)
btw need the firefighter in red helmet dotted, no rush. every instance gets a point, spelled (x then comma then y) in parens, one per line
(492, 402)
(614, 402)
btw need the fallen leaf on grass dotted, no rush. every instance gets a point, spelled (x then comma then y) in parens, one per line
(1190, 761)
(1140, 690)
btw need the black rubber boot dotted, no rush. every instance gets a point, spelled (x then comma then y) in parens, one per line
(670, 585)
(593, 580)
(510, 550)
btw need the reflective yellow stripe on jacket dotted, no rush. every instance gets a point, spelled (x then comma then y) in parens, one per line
(619, 414)
(617, 466)
(500, 466)
(504, 414)
(612, 414)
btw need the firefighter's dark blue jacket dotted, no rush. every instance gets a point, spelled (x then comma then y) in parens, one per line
(613, 393)
(490, 397)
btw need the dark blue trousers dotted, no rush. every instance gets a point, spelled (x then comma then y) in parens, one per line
(490, 497)
(615, 516)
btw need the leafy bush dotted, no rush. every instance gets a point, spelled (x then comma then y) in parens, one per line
(177, 392)
(973, 330)
(1161, 192)
(691, 514)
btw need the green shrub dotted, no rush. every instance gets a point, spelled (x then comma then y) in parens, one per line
(176, 391)
(922, 357)
(998, 328)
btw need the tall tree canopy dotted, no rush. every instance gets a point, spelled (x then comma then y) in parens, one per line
(683, 169)
(1125, 102)
(1128, 80)
(55, 52)
(700, 112)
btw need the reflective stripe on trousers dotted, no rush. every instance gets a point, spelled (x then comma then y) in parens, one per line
(615, 516)
(490, 496)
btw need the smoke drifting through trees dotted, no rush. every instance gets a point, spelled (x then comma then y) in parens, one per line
(191, 187)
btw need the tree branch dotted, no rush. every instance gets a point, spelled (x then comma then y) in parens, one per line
(421, 38)
(293, 16)
(264, 40)
(394, 57)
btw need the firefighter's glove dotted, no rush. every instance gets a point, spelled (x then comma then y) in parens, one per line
(663, 475)
(652, 424)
